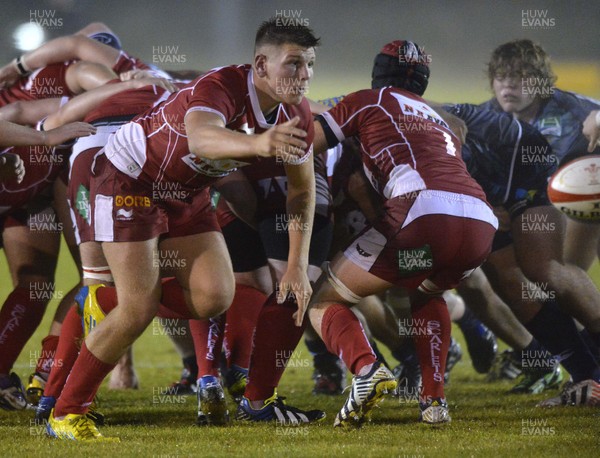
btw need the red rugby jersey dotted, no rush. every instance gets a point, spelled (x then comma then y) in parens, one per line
(43, 164)
(405, 145)
(154, 148)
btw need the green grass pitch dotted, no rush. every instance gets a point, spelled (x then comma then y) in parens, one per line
(486, 422)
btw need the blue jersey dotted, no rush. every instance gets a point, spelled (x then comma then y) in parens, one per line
(511, 160)
(560, 120)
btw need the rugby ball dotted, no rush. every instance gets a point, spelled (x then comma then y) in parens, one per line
(575, 189)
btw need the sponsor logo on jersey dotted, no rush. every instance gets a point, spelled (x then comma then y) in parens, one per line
(82, 202)
(550, 126)
(212, 167)
(414, 108)
(124, 215)
(133, 167)
(415, 260)
(132, 201)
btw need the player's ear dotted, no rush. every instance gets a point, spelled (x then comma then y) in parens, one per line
(260, 65)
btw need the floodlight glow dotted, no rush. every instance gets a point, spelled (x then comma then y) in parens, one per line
(28, 36)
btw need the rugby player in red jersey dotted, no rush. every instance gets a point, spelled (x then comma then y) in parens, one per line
(31, 235)
(435, 229)
(26, 173)
(230, 117)
(68, 65)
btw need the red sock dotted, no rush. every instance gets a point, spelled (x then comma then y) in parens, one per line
(344, 336)
(20, 316)
(173, 304)
(107, 298)
(241, 322)
(86, 376)
(432, 339)
(44, 362)
(172, 294)
(208, 343)
(71, 333)
(275, 339)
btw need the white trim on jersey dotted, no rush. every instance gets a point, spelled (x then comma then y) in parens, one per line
(207, 110)
(258, 114)
(432, 202)
(403, 179)
(587, 99)
(337, 130)
(430, 288)
(74, 223)
(97, 140)
(165, 95)
(365, 249)
(333, 157)
(126, 149)
(512, 162)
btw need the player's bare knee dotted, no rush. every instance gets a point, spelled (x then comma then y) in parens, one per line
(218, 305)
(545, 273)
(212, 303)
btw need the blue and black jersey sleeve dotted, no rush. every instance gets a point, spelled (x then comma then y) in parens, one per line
(494, 128)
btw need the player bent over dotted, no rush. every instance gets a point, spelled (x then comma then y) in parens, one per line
(215, 124)
(436, 227)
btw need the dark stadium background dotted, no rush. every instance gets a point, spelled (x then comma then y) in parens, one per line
(459, 35)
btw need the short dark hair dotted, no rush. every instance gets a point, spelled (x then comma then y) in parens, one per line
(274, 32)
(522, 59)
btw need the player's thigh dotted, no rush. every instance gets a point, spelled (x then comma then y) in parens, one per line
(205, 269)
(259, 279)
(136, 275)
(538, 236)
(248, 257)
(582, 243)
(278, 269)
(505, 276)
(276, 243)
